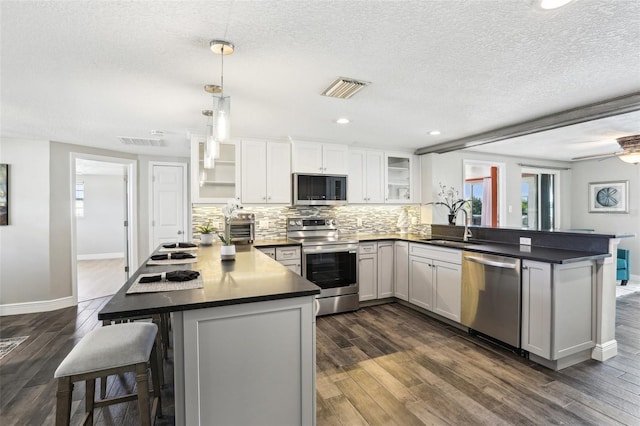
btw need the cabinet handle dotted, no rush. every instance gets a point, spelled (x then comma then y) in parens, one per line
(268, 198)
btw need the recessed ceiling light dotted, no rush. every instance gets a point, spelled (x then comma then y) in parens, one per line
(342, 121)
(549, 4)
(434, 132)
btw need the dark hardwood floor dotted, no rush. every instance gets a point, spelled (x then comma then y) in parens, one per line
(382, 365)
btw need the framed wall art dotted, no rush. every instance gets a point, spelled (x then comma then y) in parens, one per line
(4, 194)
(609, 197)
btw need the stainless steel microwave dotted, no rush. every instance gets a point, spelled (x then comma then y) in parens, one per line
(319, 190)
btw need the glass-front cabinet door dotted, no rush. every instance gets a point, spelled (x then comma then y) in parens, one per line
(398, 178)
(218, 183)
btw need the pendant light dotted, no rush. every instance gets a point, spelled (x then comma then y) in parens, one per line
(221, 111)
(211, 149)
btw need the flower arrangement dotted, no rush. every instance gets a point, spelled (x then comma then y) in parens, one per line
(230, 211)
(450, 198)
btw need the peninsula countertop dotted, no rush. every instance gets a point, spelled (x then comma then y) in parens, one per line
(252, 277)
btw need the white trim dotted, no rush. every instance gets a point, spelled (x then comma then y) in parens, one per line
(185, 199)
(132, 212)
(605, 351)
(35, 307)
(99, 256)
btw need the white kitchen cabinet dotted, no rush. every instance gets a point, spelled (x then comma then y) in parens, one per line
(399, 176)
(435, 279)
(558, 311)
(319, 158)
(366, 176)
(288, 256)
(266, 172)
(367, 271)
(385, 269)
(220, 183)
(263, 351)
(401, 270)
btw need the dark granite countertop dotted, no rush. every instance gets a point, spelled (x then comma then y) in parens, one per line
(252, 277)
(541, 254)
(276, 242)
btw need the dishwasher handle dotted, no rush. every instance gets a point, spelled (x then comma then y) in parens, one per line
(494, 263)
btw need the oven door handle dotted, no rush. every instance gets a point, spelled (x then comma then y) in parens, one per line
(328, 250)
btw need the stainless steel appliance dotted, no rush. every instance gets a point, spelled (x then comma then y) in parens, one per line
(243, 228)
(319, 190)
(491, 295)
(329, 261)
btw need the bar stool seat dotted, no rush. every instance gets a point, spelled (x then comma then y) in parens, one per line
(105, 351)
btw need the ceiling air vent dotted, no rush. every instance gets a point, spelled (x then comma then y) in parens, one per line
(344, 88)
(127, 140)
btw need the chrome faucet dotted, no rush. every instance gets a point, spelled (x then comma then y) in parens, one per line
(467, 222)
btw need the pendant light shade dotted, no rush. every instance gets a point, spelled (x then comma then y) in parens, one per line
(221, 127)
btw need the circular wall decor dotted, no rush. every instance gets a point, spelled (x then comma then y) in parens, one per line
(607, 197)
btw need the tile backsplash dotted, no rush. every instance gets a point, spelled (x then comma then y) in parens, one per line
(271, 221)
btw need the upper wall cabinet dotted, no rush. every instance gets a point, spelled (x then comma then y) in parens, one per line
(366, 176)
(217, 184)
(319, 158)
(401, 178)
(266, 172)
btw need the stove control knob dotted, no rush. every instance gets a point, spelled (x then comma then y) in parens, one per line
(332, 222)
(299, 222)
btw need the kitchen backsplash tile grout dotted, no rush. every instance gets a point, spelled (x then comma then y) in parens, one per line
(381, 219)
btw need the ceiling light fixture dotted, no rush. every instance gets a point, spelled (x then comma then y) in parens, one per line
(434, 132)
(342, 121)
(631, 147)
(220, 122)
(549, 4)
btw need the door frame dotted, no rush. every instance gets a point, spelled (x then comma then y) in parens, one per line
(557, 217)
(132, 212)
(185, 197)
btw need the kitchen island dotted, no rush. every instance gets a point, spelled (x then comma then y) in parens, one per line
(243, 345)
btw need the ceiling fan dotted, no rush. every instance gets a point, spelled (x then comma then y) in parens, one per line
(630, 150)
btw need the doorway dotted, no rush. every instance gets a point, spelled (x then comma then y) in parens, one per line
(484, 186)
(539, 191)
(102, 209)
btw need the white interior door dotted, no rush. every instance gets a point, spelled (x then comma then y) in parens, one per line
(169, 215)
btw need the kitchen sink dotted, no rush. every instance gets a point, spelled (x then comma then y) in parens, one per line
(451, 243)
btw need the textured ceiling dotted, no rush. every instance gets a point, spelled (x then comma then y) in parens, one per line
(86, 72)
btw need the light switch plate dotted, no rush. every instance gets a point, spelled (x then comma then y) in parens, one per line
(525, 241)
(358, 221)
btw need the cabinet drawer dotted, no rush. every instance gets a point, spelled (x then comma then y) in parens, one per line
(367, 248)
(444, 254)
(269, 251)
(287, 253)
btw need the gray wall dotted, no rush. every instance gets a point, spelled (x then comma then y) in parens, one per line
(101, 229)
(611, 169)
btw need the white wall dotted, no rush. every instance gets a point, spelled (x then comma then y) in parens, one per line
(24, 243)
(611, 169)
(101, 229)
(448, 169)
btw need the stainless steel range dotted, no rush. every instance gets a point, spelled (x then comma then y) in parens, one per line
(329, 261)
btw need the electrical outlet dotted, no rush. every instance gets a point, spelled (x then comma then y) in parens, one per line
(263, 224)
(216, 225)
(525, 241)
(414, 220)
(510, 209)
(359, 222)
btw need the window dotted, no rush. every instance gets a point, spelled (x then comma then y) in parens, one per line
(79, 198)
(539, 192)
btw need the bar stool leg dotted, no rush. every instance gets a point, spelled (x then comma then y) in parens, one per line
(89, 399)
(63, 401)
(153, 360)
(142, 380)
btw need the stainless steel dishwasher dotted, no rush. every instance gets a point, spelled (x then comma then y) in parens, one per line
(491, 293)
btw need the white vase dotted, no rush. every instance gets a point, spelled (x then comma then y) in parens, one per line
(228, 252)
(206, 239)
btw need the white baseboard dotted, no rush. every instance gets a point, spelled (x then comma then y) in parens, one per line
(605, 351)
(98, 256)
(34, 307)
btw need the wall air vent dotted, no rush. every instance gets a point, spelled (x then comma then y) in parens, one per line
(128, 140)
(344, 88)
